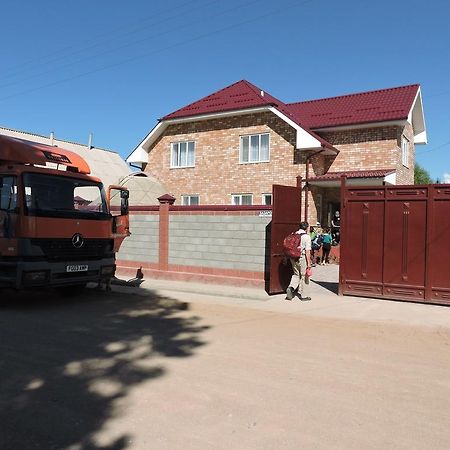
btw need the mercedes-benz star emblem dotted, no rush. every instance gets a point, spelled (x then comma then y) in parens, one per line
(77, 240)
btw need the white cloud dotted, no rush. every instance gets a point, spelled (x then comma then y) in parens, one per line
(446, 178)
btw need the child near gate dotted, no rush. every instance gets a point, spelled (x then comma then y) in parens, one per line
(326, 246)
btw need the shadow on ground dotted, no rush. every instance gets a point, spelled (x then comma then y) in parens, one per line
(66, 363)
(329, 286)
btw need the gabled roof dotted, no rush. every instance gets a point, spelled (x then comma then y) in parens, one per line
(365, 107)
(240, 95)
(307, 118)
(243, 95)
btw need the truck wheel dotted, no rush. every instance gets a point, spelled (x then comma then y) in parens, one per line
(71, 291)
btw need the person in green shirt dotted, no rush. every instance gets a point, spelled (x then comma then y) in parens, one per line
(326, 246)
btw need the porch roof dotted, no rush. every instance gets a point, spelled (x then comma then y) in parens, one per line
(354, 177)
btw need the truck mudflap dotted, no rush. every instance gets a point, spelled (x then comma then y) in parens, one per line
(29, 274)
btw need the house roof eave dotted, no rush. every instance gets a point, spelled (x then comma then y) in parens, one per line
(305, 139)
(416, 118)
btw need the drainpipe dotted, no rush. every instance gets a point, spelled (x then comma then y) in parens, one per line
(306, 180)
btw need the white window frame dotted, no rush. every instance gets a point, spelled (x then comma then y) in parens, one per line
(178, 163)
(264, 198)
(186, 199)
(250, 137)
(236, 199)
(405, 151)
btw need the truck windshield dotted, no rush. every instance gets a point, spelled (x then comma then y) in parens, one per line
(54, 196)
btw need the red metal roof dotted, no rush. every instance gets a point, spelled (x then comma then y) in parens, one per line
(365, 107)
(374, 106)
(240, 95)
(377, 173)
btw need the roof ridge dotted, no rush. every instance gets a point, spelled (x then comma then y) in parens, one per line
(203, 98)
(355, 94)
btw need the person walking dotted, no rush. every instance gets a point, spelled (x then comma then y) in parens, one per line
(300, 265)
(326, 246)
(313, 235)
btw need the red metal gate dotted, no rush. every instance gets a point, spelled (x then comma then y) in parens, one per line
(286, 216)
(395, 242)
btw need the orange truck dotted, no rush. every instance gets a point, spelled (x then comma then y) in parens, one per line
(59, 227)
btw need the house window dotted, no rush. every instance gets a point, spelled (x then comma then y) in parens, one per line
(267, 199)
(405, 151)
(187, 200)
(242, 199)
(182, 154)
(254, 148)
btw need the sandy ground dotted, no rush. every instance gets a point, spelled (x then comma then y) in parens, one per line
(162, 368)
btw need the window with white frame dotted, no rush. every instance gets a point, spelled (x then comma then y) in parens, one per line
(267, 199)
(405, 151)
(254, 148)
(182, 154)
(187, 200)
(242, 199)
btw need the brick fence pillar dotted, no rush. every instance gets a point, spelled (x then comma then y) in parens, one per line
(164, 208)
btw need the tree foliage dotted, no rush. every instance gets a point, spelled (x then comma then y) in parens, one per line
(421, 176)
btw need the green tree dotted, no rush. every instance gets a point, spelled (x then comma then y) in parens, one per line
(421, 176)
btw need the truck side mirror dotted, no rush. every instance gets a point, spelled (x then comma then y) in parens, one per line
(118, 200)
(124, 195)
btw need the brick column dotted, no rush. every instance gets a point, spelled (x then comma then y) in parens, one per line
(164, 208)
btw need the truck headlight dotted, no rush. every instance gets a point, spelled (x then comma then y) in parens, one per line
(38, 275)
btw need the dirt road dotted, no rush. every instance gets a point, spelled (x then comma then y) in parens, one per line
(148, 371)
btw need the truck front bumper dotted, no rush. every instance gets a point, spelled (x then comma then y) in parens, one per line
(29, 274)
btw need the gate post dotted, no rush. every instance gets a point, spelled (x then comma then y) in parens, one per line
(343, 235)
(164, 207)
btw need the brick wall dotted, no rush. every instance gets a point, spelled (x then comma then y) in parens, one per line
(217, 173)
(368, 149)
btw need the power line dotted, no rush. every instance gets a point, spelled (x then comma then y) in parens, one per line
(433, 149)
(94, 43)
(98, 44)
(163, 49)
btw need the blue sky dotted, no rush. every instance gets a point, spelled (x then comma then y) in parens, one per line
(113, 68)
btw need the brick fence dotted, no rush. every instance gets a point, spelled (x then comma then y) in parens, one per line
(217, 243)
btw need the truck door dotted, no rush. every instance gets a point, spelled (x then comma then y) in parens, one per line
(118, 206)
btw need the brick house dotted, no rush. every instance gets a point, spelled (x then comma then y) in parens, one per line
(233, 145)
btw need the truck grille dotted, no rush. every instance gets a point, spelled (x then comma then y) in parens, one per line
(63, 249)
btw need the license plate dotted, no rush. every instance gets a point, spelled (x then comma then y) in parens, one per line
(77, 268)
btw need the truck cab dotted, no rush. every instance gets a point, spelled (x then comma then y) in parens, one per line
(59, 227)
